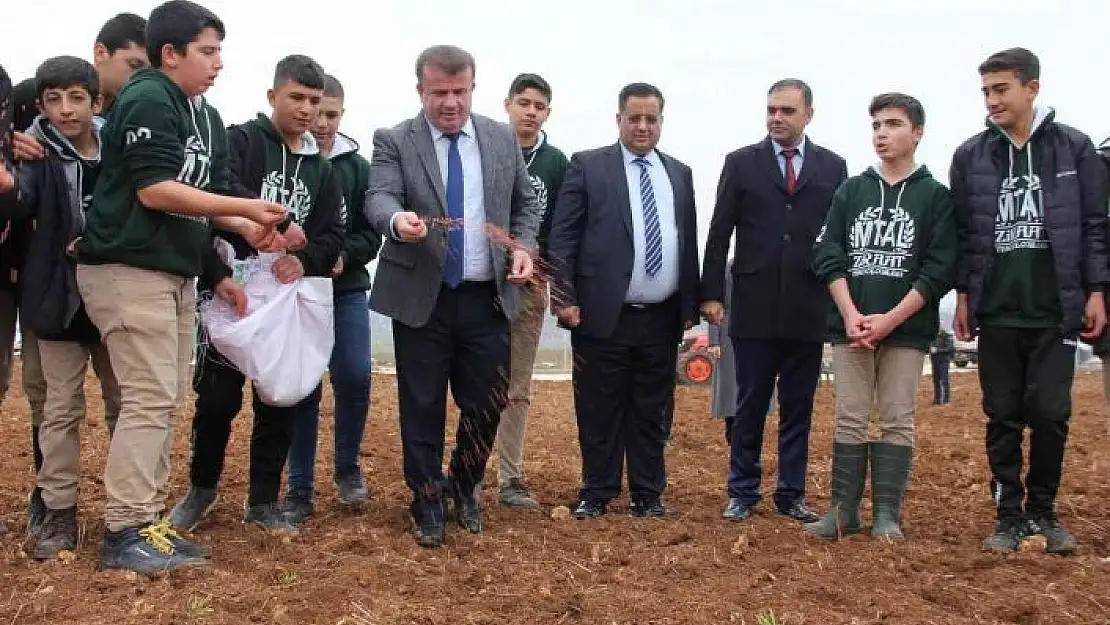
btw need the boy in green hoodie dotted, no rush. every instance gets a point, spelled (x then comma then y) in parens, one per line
(148, 235)
(888, 253)
(350, 360)
(277, 158)
(55, 192)
(528, 105)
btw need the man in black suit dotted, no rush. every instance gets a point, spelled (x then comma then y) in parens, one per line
(774, 196)
(623, 253)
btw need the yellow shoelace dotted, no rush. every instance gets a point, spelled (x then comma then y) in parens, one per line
(158, 534)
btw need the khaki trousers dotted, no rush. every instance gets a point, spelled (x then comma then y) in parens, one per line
(64, 364)
(523, 342)
(146, 319)
(888, 375)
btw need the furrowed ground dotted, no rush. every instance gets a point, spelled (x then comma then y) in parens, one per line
(363, 568)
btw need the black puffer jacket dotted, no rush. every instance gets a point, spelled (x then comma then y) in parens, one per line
(1102, 345)
(1073, 181)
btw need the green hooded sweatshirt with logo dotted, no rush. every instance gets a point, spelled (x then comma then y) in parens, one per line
(885, 240)
(547, 166)
(1021, 290)
(155, 134)
(303, 181)
(362, 242)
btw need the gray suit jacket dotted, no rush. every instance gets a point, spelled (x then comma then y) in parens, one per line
(405, 176)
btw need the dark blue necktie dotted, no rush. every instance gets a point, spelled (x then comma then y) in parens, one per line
(456, 241)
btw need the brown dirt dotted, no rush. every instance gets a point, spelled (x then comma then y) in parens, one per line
(365, 569)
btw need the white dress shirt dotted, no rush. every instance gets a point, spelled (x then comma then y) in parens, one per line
(645, 289)
(477, 262)
(798, 160)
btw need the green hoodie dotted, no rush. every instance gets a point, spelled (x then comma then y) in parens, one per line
(362, 242)
(155, 133)
(1021, 291)
(547, 165)
(885, 240)
(303, 181)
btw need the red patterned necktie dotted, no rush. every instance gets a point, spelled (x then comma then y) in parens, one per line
(791, 175)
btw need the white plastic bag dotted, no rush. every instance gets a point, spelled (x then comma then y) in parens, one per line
(284, 343)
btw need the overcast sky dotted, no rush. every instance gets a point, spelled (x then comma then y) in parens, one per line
(713, 60)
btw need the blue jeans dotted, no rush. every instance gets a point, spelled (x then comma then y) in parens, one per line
(350, 380)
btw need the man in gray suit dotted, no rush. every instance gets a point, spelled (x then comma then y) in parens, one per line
(451, 195)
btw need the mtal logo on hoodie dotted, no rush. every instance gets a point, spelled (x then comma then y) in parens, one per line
(1019, 224)
(880, 241)
(196, 170)
(540, 189)
(292, 193)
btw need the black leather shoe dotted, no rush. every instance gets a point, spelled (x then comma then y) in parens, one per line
(648, 508)
(737, 510)
(429, 534)
(590, 508)
(429, 520)
(800, 512)
(467, 512)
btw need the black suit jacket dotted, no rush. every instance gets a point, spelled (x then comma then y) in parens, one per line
(775, 294)
(590, 248)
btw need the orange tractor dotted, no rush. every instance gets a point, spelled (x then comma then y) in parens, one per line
(695, 362)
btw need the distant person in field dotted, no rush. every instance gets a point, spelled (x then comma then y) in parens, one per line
(887, 252)
(773, 197)
(724, 372)
(528, 105)
(623, 249)
(350, 360)
(940, 357)
(1030, 194)
(119, 50)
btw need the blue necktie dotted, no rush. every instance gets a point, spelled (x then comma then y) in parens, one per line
(653, 236)
(453, 264)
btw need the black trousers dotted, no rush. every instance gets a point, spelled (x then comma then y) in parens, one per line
(1026, 377)
(624, 401)
(797, 366)
(219, 390)
(465, 344)
(942, 393)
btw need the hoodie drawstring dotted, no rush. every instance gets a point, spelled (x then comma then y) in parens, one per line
(207, 139)
(1028, 147)
(897, 200)
(285, 178)
(535, 150)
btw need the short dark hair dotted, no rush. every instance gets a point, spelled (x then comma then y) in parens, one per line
(63, 72)
(23, 104)
(530, 81)
(1020, 61)
(300, 69)
(121, 31)
(451, 59)
(794, 83)
(639, 90)
(905, 103)
(332, 87)
(178, 23)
